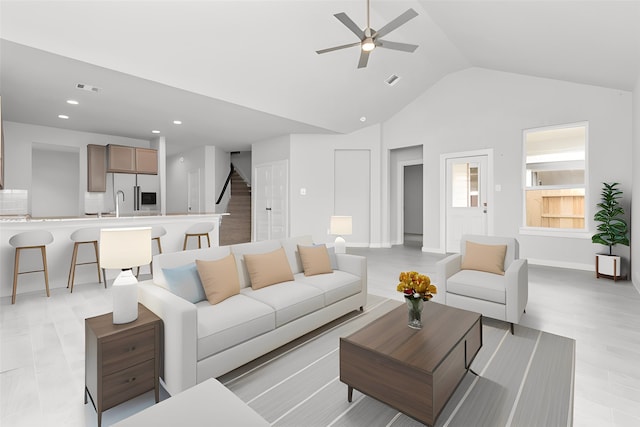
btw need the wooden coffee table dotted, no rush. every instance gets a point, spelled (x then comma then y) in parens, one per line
(413, 371)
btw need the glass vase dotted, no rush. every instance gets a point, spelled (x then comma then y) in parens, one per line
(415, 312)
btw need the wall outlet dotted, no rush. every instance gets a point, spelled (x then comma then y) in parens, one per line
(303, 191)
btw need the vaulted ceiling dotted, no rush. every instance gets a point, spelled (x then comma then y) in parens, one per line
(237, 72)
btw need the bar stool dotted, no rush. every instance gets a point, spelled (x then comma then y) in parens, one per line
(198, 230)
(38, 239)
(80, 237)
(157, 231)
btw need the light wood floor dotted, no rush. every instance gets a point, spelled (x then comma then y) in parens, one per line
(42, 342)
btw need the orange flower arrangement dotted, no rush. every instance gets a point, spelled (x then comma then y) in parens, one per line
(413, 284)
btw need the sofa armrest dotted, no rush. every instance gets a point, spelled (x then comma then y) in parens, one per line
(354, 264)
(179, 317)
(446, 268)
(517, 277)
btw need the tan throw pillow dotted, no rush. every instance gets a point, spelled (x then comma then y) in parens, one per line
(489, 258)
(268, 269)
(315, 260)
(219, 278)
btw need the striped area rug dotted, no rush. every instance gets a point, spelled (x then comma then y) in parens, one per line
(524, 379)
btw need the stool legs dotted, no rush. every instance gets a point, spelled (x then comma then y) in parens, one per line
(16, 272)
(74, 263)
(199, 236)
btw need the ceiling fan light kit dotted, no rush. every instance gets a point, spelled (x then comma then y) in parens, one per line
(370, 38)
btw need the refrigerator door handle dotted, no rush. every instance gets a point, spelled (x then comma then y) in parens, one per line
(136, 198)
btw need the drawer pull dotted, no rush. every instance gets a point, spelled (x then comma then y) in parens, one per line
(132, 348)
(130, 380)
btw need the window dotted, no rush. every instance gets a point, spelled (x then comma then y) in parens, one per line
(465, 188)
(555, 176)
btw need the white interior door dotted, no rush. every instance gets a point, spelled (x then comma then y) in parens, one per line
(271, 201)
(193, 189)
(466, 198)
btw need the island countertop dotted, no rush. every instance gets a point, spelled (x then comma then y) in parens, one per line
(60, 250)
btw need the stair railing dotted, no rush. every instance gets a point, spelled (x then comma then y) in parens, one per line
(226, 184)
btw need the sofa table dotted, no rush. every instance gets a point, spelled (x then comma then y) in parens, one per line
(122, 361)
(413, 371)
(206, 404)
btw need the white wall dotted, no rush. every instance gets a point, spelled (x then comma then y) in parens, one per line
(212, 162)
(635, 209)
(55, 186)
(19, 139)
(413, 199)
(312, 167)
(222, 165)
(478, 109)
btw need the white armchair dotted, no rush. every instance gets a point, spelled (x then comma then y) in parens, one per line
(502, 297)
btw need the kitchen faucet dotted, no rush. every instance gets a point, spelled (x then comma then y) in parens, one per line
(118, 204)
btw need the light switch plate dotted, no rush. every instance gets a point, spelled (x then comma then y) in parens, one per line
(303, 191)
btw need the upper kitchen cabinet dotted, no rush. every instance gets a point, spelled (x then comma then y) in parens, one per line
(121, 159)
(96, 168)
(147, 161)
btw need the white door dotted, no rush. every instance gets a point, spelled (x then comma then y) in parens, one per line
(271, 201)
(466, 198)
(193, 190)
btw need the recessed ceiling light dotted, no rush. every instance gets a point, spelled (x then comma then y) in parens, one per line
(72, 102)
(155, 131)
(62, 116)
(392, 79)
(363, 119)
(177, 122)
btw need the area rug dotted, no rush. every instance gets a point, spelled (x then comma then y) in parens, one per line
(524, 379)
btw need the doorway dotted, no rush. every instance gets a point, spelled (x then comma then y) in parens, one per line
(466, 198)
(412, 215)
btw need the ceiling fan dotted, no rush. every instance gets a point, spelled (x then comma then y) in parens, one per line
(370, 38)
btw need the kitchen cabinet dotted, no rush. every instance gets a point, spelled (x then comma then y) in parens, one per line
(96, 168)
(121, 159)
(147, 161)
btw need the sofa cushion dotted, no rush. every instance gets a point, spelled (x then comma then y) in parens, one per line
(489, 258)
(335, 286)
(177, 259)
(478, 284)
(290, 246)
(184, 282)
(231, 322)
(241, 249)
(315, 260)
(290, 300)
(268, 269)
(219, 278)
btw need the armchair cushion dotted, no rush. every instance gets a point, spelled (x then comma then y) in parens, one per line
(478, 284)
(489, 258)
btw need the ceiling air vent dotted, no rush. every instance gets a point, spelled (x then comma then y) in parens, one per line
(392, 80)
(89, 88)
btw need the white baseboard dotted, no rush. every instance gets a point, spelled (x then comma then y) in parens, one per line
(433, 250)
(379, 245)
(562, 264)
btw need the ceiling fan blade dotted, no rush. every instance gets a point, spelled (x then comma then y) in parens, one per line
(331, 49)
(405, 47)
(342, 17)
(364, 58)
(400, 20)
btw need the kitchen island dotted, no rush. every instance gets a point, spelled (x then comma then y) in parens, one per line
(60, 250)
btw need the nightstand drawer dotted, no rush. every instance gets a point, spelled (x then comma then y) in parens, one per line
(128, 383)
(127, 351)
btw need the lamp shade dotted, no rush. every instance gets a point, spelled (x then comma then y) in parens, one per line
(125, 247)
(340, 225)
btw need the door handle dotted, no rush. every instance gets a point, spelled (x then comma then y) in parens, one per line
(268, 209)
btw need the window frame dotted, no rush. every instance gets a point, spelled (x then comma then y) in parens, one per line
(584, 232)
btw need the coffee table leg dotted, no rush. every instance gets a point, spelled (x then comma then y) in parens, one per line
(349, 394)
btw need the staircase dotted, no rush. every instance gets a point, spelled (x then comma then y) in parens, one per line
(236, 227)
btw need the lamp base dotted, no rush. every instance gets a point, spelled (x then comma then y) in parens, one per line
(340, 245)
(125, 298)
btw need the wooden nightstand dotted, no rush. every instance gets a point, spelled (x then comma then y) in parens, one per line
(122, 361)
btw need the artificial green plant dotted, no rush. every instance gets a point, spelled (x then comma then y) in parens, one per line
(613, 229)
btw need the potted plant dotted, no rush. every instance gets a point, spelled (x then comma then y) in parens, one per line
(612, 230)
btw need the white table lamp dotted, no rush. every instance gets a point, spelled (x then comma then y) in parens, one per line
(340, 226)
(125, 248)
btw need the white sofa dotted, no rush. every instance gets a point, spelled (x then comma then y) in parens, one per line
(502, 297)
(202, 340)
